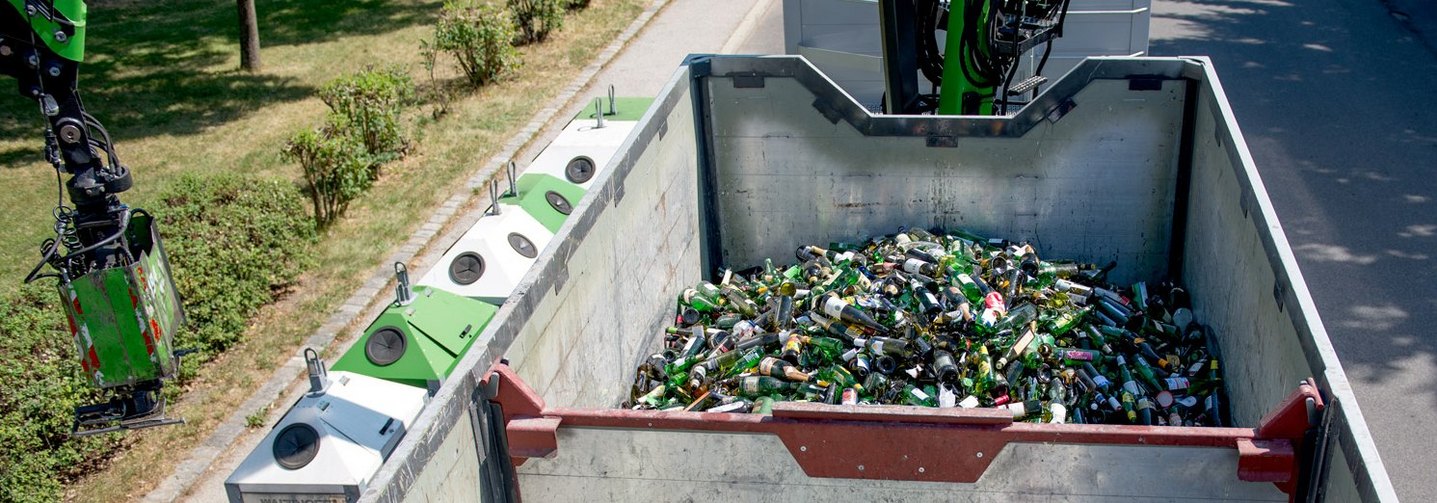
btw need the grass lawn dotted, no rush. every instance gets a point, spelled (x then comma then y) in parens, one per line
(162, 75)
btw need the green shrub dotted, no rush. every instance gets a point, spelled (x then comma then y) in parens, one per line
(336, 170)
(43, 385)
(233, 244)
(478, 35)
(368, 104)
(536, 18)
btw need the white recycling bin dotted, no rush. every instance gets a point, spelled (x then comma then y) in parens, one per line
(330, 443)
(487, 262)
(581, 151)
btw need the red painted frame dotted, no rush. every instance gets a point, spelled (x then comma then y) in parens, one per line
(874, 442)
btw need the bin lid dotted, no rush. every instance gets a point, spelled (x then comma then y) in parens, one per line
(490, 259)
(547, 198)
(421, 341)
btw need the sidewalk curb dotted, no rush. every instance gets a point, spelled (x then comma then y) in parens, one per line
(366, 299)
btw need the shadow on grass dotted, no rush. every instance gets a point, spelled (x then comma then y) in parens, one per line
(149, 67)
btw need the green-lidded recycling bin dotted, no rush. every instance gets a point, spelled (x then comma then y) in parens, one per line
(549, 199)
(418, 343)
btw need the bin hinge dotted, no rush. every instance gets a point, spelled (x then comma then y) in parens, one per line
(1273, 454)
(531, 434)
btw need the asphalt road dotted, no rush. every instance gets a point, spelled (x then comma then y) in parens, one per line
(1336, 99)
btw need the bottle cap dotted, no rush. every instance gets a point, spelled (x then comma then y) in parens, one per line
(1165, 399)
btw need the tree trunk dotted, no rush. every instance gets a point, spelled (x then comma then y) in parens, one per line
(249, 36)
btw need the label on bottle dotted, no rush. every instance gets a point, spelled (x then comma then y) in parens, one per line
(1196, 367)
(1177, 383)
(919, 394)
(1114, 404)
(1018, 409)
(766, 367)
(1060, 413)
(913, 266)
(994, 301)
(877, 347)
(1080, 356)
(1187, 401)
(833, 307)
(739, 406)
(1130, 387)
(850, 396)
(750, 386)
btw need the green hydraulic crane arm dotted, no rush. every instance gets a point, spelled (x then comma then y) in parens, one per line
(60, 24)
(966, 89)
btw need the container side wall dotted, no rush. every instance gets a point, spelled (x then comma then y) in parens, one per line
(1096, 185)
(452, 473)
(1227, 270)
(1246, 284)
(582, 342)
(597, 464)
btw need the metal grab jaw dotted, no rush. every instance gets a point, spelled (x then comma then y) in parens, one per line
(123, 320)
(135, 409)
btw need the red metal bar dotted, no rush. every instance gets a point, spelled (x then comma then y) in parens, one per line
(876, 442)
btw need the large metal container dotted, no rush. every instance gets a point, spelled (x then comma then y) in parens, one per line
(741, 158)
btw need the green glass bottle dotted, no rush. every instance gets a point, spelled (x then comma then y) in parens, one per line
(1130, 389)
(758, 386)
(913, 395)
(748, 361)
(738, 300)
(837, 375)
(792, 347)
(970, 288)
(1144, 411)
(654, 397)
(1074, 356)
(1025, 409)
(897, 348)
(1099, 341)
(696, 300)
(774, 367)
(828, 349)
(833, 306)
(1067, 320)
(763, 406)
(1145, 372)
